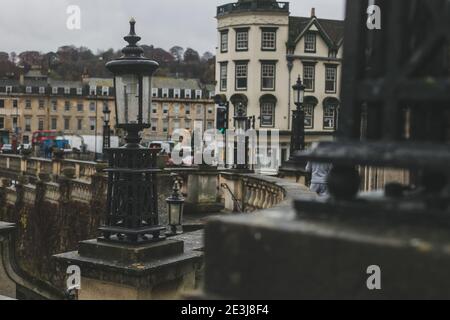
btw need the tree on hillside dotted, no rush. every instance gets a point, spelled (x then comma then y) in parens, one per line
(207, 56)
(177, 53)
(191, 56)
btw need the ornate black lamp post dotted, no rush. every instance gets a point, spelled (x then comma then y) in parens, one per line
(175, 206)
(242, 124)
(298, 119)
(132, 208)
(106, 129)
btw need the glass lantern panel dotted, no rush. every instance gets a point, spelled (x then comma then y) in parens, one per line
(175, 213)
(146, 99)
(127, 96)
(301, 95)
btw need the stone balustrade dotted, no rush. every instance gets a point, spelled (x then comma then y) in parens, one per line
(14, 164)
(250, 192)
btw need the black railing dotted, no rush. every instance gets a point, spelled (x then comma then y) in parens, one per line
(257, 5)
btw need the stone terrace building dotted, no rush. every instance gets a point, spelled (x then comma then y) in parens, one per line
(261, 52)
(177, 104)
(36, 102)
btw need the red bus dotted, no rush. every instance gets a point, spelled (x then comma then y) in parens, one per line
(43, 135)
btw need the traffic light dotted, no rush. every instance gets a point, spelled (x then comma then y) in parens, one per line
(222, 119)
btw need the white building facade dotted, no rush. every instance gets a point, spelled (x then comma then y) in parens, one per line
(261, 52)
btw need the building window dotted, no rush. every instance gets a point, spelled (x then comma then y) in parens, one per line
(154, 108)
(54, 105)
(187, 93)
(28, 90)
(27, 104)
(199, 109)
(66, 90)
(66, 123)
(177, 93)
(80, 107)
(187, 124)
(79, 124)
(176, 124)
(165, 108)
(269, 40)
(187, 109)
(330, 79)
(92, 124)
(41, 104)
(310, 42)
(176, 109)
(15, 103)
(105, 91)
(241, 40)
(241, 76)
(268, 76)
(67, 105)
(154, 125)
(2, 123)
(8, 89)
(332, 53)
(41, 90)
(309, 116)
(54, 123)
(267, 114)
(2, 104)
(210, 110)
(198, 94)
(309, 72)
(209, 125)
(93, 90)
(92, 106)
(223, 76)
(41, 124)
(329, 117)
(79, 91)
(55, 90)
(155, 92)
(15, 121)
(28, 124)
(165, 93)
(224, 41)
(165, 126)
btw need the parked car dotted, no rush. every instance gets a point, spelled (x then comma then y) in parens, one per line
(7, 149)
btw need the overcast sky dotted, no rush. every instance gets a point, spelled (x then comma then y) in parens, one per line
(41, 24)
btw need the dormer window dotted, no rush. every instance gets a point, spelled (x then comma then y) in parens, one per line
(55, 90)
(165, 93)
(105, 91)
(310, 42)
(177, 93)
(93, 91)
(155, 92)
(198, 94)
(187, 93)
(9, 89)
(41, 90)
(66, 90)
(332, 53)
(28, 90)
(79, 91)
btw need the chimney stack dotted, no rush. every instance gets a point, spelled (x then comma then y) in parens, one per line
(313, 12)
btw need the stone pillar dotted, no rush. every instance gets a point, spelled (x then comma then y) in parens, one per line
(203, 193)
(7, 285)
(117, 271)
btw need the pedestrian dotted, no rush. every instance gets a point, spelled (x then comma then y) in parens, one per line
(319, 177)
